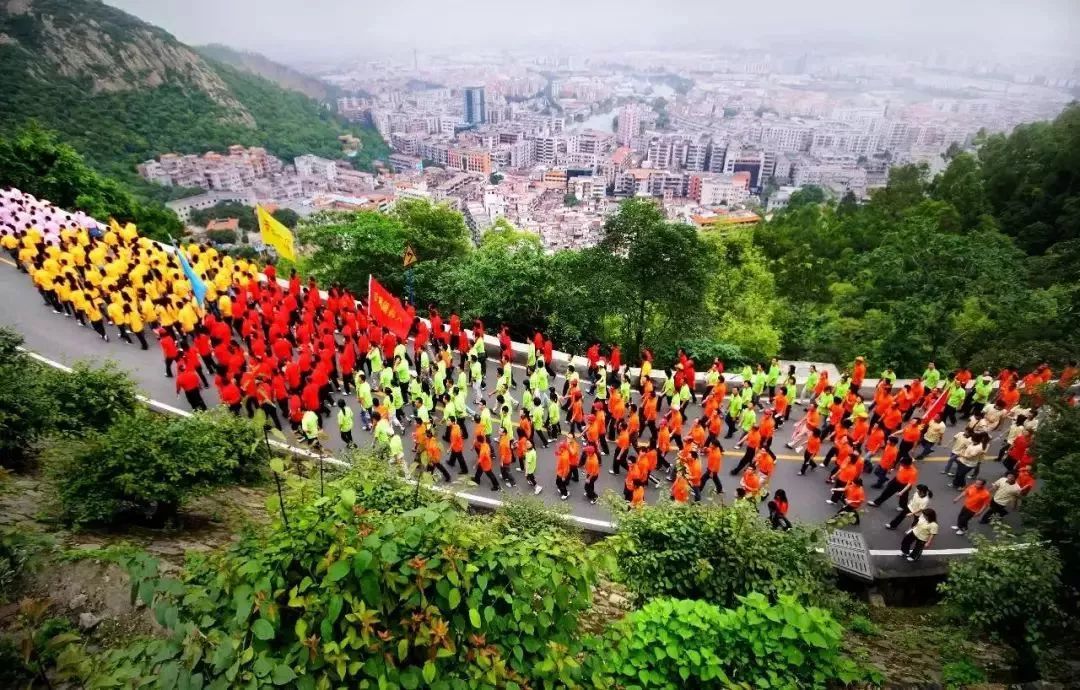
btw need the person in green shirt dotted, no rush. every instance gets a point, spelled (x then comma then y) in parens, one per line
(382, 433)
(954, 398)
(374, 357)
(386, 378)
(530, 468)
(537, 418)
(757, 384)
(668, 391)
(684, 397)
(842, 387)
(364, 397)
(601, 385)
(397, 449)
(807, 393)
(984, 388)
(483, 418)
(554, 425)
(889, 375)
(345, 423)
(773, 376)
(931, 376)
(476, 378)
(735, 408)
(571, 377)
(309, 429)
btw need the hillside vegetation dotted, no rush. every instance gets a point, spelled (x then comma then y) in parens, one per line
(122, 91)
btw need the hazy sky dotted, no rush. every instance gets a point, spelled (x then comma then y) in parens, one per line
(296, 29)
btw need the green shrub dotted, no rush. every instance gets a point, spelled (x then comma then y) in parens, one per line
(703, 351)
(18, 554)
(146, 464)
(672, 643)
(717, 554)
(1008, 589)
(961, 674)
(24, 411)
(88, 398)
(352, 596)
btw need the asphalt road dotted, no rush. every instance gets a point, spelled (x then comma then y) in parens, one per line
(63, 340)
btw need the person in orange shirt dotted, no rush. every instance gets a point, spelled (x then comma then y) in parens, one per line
(750, 484)
(767, 428)
(892, 419)
(715, 426)
(648, 414)
(753, 442)
(976, 498)
(846, 473)
(693, 475)
(902, 484)
(714, 456)
(887, 462)
(680, 490)
(637, 500)
(854, 496)
(433, 451)
(622, 449)
(663, 446)
(457, 445)
(781, 406)
(858, 373)
(813, 447)
(909, 436)
(506, 458)
(592, 472)
(859, 430)
(634, 477)
(483, 463)
(562, 473)
(577, 412)
(765, 465)
(874, 442)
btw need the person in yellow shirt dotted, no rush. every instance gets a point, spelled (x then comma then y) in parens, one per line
(26, 257)
(31, 238)
(78, 256)
(97, 254)
(10, 242)
(97, 321)
(135, 323)
(129, 233)
(115, 311)
(111, 238)
(147, 309)
(188, 318)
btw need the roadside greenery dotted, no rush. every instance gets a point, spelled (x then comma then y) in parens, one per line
(718, 554)
(679, 643)
(144, 466)
(1008, 589)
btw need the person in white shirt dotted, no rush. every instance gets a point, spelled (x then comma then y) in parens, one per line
(932, 435)
(916, 504)
(960, 442)
(1004, 495)
(920, 535)
(970, 457)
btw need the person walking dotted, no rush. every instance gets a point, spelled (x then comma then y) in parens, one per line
(778, 509)
(345, 420)
(1004, 495)
(970, 457)
(917, 502)
(920, 536)
(933, 434)
(854, 497)
(976, 499)
(187, 381)
(530, 467)
(902, 483)
(483, 463)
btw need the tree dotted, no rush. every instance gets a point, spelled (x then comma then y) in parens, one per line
(805, 196)
(961, 185)
(346, 248)
(1008, 589)
(495, 177)
(662, 267)
(570, 200)
(436, 232)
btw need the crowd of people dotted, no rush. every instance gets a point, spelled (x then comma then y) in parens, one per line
(298, 355)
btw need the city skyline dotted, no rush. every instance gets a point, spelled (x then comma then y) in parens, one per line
(331, 29)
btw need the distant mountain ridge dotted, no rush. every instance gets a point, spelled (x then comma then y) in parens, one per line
(284, 76)
(122, 90)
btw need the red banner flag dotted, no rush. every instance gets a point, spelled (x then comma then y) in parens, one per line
(386, 310)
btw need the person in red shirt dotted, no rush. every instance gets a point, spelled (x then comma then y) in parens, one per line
(229, 393)
(187, 381)
(168, 349)
(976, 499)
(778, 508)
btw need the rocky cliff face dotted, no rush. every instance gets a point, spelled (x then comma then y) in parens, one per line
(107, 49)
(282, 75)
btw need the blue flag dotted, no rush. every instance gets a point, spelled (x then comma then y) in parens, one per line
(198, 287)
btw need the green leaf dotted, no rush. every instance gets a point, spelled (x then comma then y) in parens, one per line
(348, 497)
(361, 561)
(338, 570)
(263, 629)
(455, 598)
(388, 552)
(474, 618)
(277, 465)
(301, 629)
(334, 609)
(429, 672)
(403, 648)
(282, 675)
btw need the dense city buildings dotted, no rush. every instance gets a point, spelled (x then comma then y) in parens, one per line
(552, 145)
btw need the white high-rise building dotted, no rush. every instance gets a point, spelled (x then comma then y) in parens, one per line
(630, 122)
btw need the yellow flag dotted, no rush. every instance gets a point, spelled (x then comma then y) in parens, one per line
(275, 234)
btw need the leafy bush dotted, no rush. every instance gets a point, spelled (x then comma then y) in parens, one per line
(148, 464)
(1008, 589)
(18, 552)
(89, 398)
(703, 351)
(672, 643)
(221, 236)
(352, 596)
(961, 674)
(717, 554)
(24, 410)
